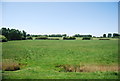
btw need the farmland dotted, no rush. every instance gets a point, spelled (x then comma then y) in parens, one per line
(44, 59)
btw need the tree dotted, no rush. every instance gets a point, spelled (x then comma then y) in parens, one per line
(24, 35)
(28, 35)
(12, 34)
(116, 35)
(5, 32)
(64, 35)
(15, 34)
(55, 35)
(104, 35)
(109, 35)
(77, 35)
(69, 38)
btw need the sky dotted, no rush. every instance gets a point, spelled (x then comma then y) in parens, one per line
(95, 18)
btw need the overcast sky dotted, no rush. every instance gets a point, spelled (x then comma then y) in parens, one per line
(94, 18)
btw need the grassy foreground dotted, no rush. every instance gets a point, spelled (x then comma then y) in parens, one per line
(39, 58)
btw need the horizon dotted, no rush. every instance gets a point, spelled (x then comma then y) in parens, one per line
(65, 33)
(94, 18)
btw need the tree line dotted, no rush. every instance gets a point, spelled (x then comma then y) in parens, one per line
(15, 34)
(78, 35)
(52, 35)
(114, 35)
(62, 35)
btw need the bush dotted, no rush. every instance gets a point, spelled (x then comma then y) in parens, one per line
(69, 38)
(29, 38)
(41, 38)
(3, 38)
(86, 38)
(53, 39)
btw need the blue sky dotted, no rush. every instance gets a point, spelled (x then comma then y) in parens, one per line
(71, 18)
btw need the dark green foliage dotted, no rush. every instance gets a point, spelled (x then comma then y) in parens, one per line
(44, 35)
(109, 35)
(28, 35)
(58, 35)
(39, 35)
(24, 35)
(53, 39)
(104, 35)
(5, 32)
(29, 38)
(69, 38)
(78, 35)
(45, 38)
(64, 35)
(86, 38)
(35, 35)
(55, 35)
(116, 35)
(13, 34)
(52, 35)
(41, 38)
(3, 38)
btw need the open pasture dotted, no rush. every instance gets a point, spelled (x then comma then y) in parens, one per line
(61, 59)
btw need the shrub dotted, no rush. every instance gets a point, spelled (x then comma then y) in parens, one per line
(3, 38)
(41, 38)
(29, 38)
(53, 39)
(86, 38)
(69, 38)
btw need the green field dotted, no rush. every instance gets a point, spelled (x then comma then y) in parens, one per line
(39, 58)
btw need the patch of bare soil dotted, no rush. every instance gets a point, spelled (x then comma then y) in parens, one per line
(87, 68)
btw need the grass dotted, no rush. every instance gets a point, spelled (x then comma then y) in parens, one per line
(41, 56)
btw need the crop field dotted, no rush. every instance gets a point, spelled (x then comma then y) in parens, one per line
(60, 59)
